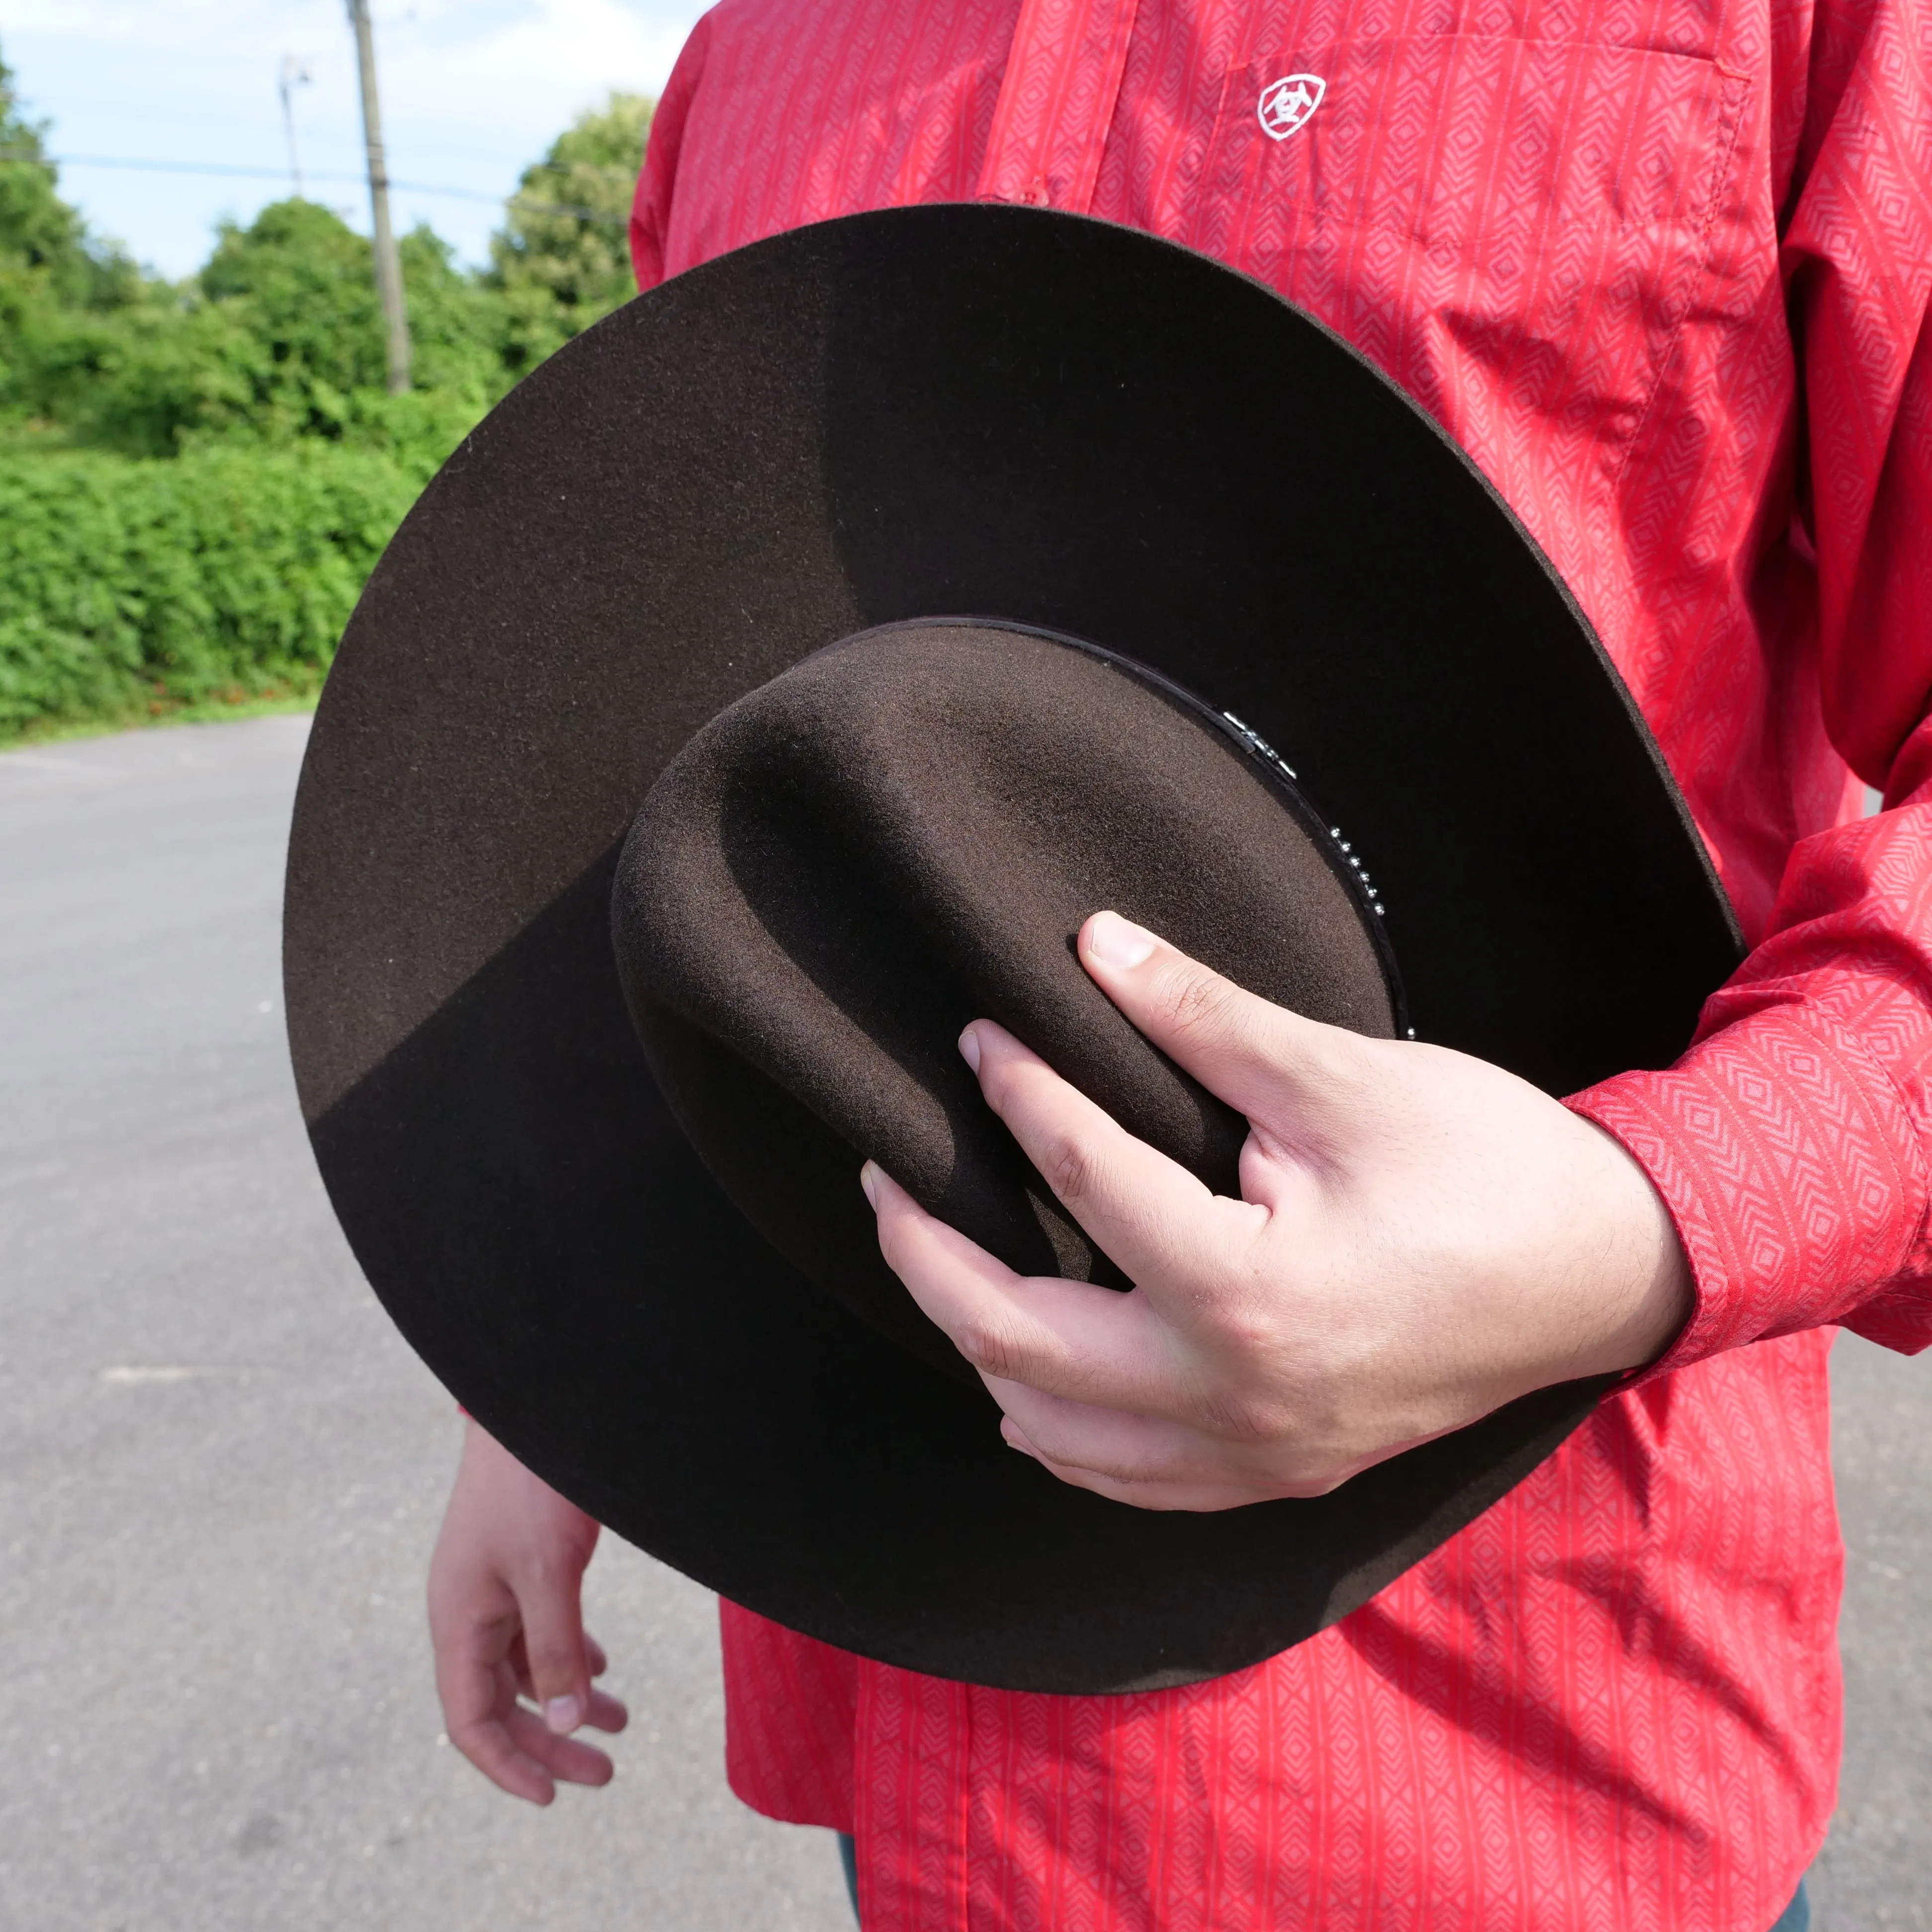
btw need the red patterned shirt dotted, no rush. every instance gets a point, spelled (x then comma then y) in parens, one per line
(1663, 267)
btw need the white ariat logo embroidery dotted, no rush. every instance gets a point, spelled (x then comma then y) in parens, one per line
(1285, 104)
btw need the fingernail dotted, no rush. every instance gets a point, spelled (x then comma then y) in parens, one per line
(1115, 941)
(563, 1715)
(969, 1049)
(869, 1180)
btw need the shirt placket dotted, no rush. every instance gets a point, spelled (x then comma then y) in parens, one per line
(1056, 102)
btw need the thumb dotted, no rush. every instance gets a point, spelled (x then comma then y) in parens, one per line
(1247, 1051)
(550, 1602)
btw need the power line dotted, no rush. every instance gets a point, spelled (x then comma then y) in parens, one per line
(337, 132)
(330, 131)
(146, 166)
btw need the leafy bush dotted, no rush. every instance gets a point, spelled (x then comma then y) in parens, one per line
(130, 586)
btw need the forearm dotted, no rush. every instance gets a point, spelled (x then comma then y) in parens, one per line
(1790, 1142)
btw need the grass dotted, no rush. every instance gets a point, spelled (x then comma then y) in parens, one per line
(225, 707)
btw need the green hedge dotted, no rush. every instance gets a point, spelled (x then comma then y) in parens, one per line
(131, 587)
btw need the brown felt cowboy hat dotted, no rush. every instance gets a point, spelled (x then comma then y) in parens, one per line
(903, 589)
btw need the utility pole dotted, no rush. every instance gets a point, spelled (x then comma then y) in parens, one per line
(294, 74)
(389, 263)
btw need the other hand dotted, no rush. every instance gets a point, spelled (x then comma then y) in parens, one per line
(1421, 1238)
(506, 1621)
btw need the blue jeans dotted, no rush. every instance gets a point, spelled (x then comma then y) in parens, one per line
(848, 1857)
(1796, 1917)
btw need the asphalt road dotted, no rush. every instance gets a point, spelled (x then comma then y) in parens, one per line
(221, 1471)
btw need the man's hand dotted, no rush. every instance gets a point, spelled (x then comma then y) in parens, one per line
(1421, 1238)
(506, 1618)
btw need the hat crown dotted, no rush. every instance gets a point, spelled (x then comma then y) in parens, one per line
(904, 832)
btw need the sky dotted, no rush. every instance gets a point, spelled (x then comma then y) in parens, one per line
(472, 91)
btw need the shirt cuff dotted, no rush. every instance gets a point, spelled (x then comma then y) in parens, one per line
(1792, 1166)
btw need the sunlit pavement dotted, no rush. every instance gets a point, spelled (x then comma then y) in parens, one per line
(221, 1471)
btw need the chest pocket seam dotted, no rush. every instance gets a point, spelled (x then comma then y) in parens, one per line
(1734, 89)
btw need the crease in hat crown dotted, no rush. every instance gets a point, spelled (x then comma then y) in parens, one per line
(904, 833)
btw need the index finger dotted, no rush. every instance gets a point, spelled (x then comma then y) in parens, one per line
(1243, 1049)
(1164, 1228)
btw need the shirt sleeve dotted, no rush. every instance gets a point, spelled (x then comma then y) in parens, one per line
(1791, 1142)
(650, 209)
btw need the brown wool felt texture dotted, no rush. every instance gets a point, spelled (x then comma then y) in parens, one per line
(905, 833)
(646, 1292)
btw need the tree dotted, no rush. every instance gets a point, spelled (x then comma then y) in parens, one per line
(279, 339)
(51, 268)
(562, 259)
(298, 284)
(44, 244)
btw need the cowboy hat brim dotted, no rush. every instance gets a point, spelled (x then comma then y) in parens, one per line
(965, 409)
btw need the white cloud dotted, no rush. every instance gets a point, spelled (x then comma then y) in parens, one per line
(473, 90)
